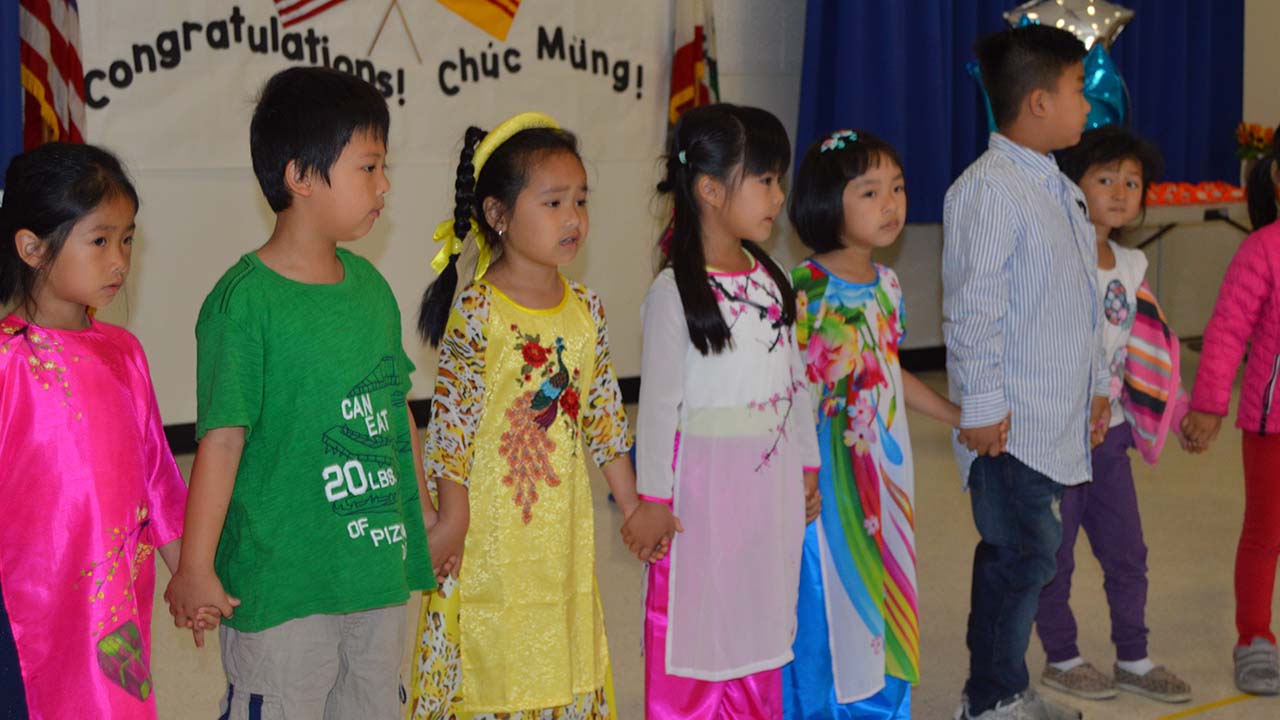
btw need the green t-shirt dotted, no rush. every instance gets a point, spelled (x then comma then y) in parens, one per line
(324, 517)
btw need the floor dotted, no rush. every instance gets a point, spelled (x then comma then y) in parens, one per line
(1191, 513)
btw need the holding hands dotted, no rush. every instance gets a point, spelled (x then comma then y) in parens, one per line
(1099, 420)
(649, 530)
(990, 440)
(1199, 429)
(812, 498)
(198, 602)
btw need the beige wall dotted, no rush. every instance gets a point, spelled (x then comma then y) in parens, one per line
(1261, 62)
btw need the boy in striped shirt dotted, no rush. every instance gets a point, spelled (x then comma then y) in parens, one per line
(1022, 328)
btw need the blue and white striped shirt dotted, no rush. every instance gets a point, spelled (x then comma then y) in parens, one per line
(1020, 308)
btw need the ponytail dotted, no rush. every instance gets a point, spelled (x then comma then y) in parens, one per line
(716, 140)
(433, 315)
(1261, 188)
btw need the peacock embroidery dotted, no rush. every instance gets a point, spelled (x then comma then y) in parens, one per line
(525, 444)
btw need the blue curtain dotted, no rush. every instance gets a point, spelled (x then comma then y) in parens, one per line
(10, 86)
(897, 69)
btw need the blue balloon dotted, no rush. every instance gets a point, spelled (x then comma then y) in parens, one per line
(1103, 87)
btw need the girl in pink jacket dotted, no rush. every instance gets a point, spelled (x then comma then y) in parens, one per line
(1247, 315)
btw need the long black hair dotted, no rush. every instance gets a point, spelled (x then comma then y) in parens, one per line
(1261, 186)
(47, 191)
(503, 177)
(727, 142)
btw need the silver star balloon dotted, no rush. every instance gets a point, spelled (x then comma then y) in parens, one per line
(1093, 21)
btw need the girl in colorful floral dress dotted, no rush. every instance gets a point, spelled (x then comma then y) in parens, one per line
(91, 490)
(524, 377)
(858, 644)
(725, 428)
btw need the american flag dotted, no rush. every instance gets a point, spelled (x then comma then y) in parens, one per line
(52, 78)
(292, 12)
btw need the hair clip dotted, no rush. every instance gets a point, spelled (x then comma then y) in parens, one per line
(836, 141)
(683, 160)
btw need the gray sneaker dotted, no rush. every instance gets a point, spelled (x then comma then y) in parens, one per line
(1028, 705)
(1256, 669)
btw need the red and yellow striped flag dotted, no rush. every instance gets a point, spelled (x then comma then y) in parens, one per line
(492, 16)
(694, 80)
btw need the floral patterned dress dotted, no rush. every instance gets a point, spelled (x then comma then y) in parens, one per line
(520, 634)
(858, 606)
(90, 490)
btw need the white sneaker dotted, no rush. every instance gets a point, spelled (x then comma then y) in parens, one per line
(1028, 705)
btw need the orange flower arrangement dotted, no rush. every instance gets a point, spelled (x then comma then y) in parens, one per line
(1253, 140)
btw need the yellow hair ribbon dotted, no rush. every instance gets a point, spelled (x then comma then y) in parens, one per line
(453, 246)
(444, 232)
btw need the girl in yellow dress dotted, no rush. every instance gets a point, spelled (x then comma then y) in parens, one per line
(524, 377)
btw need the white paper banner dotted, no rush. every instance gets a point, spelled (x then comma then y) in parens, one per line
(173, 83)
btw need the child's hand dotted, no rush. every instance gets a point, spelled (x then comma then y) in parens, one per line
(1099, 420)
(989, 440)
(1200, 430)
(446, 539)
(660, 551)
(812, 498)
(207, 618)
(649, 530)
(190, 592)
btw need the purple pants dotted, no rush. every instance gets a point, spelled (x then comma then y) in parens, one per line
(1107, 509)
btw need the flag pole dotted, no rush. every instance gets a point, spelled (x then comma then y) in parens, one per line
(381, 25)
(407, 31)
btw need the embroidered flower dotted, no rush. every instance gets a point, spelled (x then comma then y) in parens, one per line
(774, 313)
(569, 402)
(871, 376)
(827, 361)
(860, 439)
(871, 525)
(863, 413)
(535, 354)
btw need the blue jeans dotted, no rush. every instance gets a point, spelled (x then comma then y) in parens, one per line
(1016, 511)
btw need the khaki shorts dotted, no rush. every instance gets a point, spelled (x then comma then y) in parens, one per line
(336, 667)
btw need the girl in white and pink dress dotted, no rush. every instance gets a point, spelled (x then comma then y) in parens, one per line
(726, 433)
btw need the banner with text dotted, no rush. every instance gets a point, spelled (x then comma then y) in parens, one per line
(172, 84)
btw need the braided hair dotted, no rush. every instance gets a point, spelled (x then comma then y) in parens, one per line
(503, 177)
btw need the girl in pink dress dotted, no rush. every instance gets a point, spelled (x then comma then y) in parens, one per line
(90, 488)
(727, 437)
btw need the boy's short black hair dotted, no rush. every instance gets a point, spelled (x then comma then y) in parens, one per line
(1016, 61)
(817, 194)
(308, 114)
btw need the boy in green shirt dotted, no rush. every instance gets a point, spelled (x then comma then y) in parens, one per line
(305, 507)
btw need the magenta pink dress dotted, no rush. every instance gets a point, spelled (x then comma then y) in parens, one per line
(90, 490)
